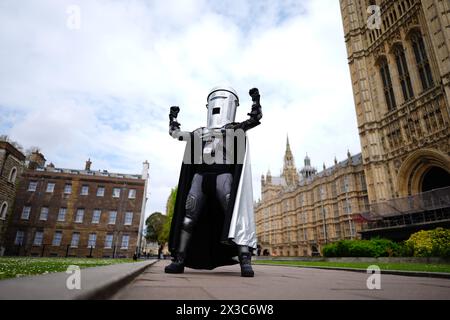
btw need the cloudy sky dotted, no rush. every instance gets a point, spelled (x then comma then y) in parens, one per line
(102, 89)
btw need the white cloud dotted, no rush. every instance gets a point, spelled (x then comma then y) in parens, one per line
(104, 91)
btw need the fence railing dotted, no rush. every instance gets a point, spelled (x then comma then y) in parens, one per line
(48, 250)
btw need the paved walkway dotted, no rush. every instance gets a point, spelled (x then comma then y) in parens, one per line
(95, 283)
(273, 283)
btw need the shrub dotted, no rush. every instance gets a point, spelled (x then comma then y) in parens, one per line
(363, 248)
(440, 239)
(329, 250)
(420, 243)
(385, 248)
(343, 248)
(432, 243)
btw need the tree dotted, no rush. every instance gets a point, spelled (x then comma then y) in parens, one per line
(155, 223)
(169, 214)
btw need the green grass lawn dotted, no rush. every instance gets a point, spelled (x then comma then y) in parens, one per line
(11, 267)
(363, 265)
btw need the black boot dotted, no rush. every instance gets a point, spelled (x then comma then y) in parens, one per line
(245, 259)
(177, 266)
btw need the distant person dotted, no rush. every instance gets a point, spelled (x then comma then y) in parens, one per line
(160, 254)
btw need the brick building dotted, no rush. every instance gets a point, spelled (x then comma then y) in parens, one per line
(11, 165)
(77, 213)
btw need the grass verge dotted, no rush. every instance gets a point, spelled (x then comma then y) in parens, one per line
(12, 267)
(363, 265)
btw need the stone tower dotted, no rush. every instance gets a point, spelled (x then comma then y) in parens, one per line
(290, 173)
(307, 171)
(400, 70)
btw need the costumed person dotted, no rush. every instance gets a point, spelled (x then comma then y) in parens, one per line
(213, 219)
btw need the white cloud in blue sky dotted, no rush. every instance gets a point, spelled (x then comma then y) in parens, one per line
(103, 91)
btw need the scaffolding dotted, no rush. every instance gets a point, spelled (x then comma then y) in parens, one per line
(427, 207)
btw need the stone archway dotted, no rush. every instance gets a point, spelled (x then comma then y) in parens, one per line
(422, 166)
(435, 178)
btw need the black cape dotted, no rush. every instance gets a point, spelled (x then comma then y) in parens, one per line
(209, 246)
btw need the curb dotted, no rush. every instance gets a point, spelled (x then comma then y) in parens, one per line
(96, 283)
(107, 290)
(440, 275)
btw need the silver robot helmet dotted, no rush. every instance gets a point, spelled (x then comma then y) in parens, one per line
(222, 104)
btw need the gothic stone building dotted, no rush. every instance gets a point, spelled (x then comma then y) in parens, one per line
(77, 213)
(11, 165)
(300, 211)
(400, 71)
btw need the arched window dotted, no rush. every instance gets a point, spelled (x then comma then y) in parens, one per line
(403, 72)
(3, 210)
(387, 84)
(423, 64)
(13, 175)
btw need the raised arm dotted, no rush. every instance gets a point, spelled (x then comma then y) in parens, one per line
(174, 126)
(255, 114)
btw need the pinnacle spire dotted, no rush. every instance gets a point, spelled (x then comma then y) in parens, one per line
(288, 146)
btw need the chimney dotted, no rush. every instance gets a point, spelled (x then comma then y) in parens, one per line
(145, 168)
(36, 160)
(88, 165)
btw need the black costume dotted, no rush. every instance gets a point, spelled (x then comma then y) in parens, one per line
(205, 209)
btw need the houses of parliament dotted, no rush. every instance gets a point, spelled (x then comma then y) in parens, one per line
(400, 182)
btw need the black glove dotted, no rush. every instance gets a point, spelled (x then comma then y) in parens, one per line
(174, 112)
(173, 115)
(256, 112)
(254, 93)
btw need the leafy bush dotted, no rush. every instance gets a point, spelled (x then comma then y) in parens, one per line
(386, 248)
(363, 248)
(329, 250)
(431, 243)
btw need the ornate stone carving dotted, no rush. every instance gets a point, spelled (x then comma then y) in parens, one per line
(394, 38)
(379, 52)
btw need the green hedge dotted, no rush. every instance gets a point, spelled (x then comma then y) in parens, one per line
(432, 243)
(363, 248)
